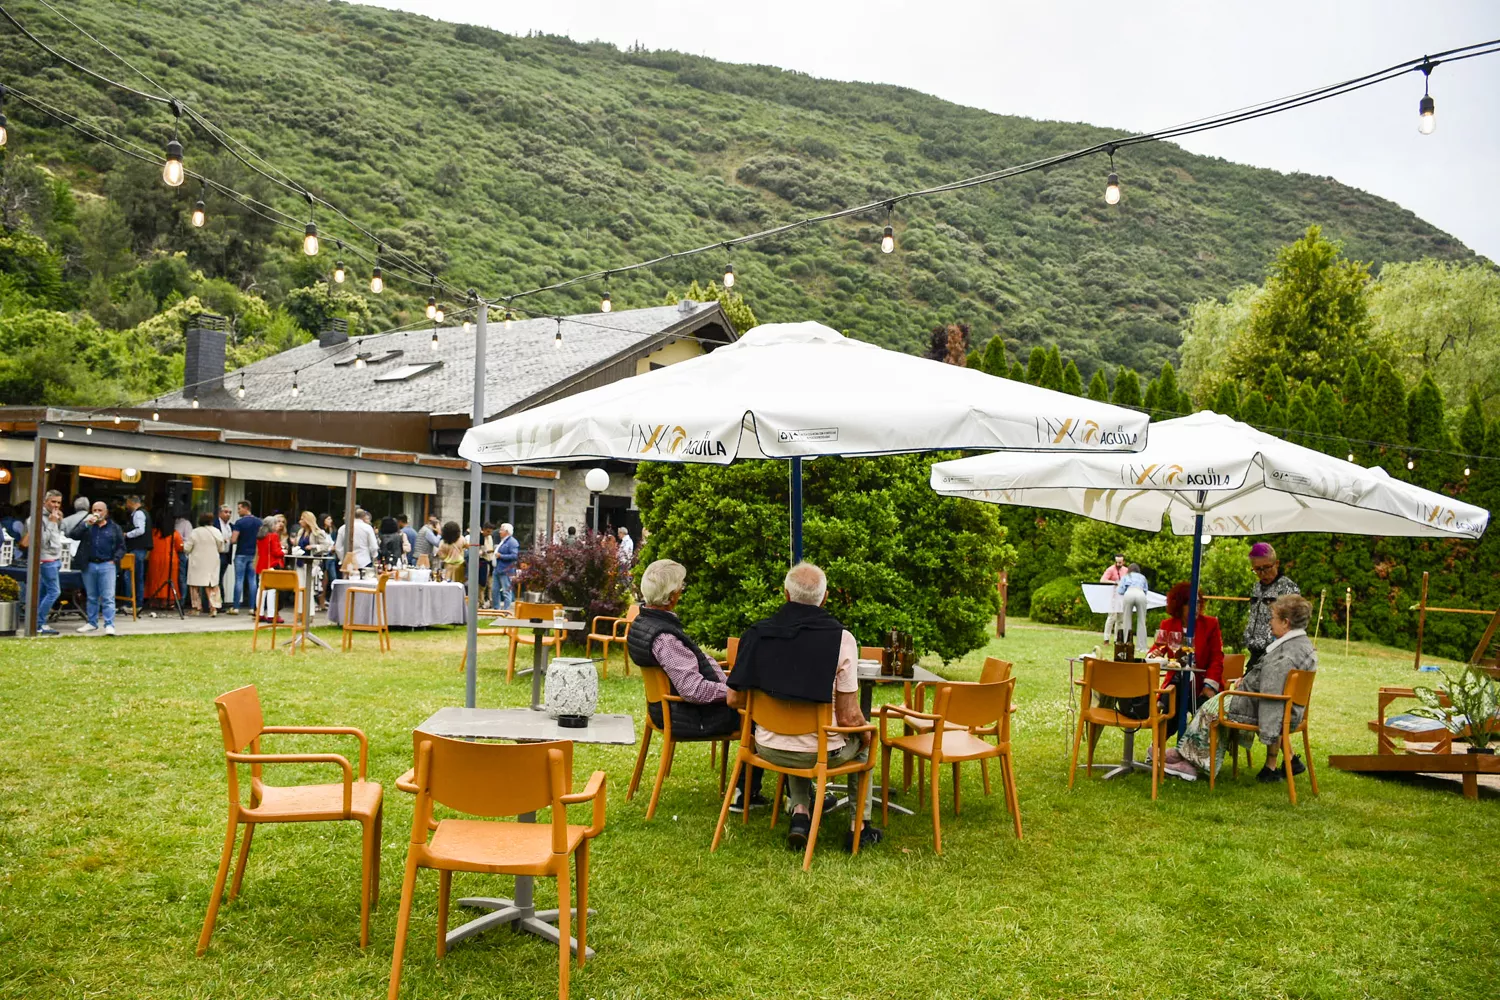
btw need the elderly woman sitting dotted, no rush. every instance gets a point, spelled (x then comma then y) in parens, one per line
(1290, 650)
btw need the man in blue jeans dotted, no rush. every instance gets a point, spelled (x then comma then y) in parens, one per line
(242, 543)
(101, 546)
(50, 538)
(507, 554)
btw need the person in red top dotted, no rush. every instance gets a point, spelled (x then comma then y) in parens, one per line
(1208, 642)
(270, 551)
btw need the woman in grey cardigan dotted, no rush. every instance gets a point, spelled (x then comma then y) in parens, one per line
(1290, 649)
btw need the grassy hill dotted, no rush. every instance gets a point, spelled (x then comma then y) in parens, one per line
(510, 162)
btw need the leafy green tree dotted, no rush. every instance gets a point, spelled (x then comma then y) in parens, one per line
(1149, 400)
(312, 307)
(1329, 411)
(1253, 412)
(1441, 318)
(1273, 385)
(1018, 372)
(993, 358)
(1276, 420)
(1428, 432)
(1052, 372)
(896, 556)
(1127, 388)
(1313, 316)
(739, 314)
(1298, 415)
(1385, 420)
(1072, 381)
(1168, 397)
(1036, 364)
(1353, 385)
(1208, 334)
(1471, 428)
(1099, 387)
(1227, 401)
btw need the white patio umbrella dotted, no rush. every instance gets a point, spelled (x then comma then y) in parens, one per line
(1210, 474)
(800, 390)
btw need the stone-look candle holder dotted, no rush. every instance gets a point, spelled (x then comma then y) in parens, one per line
(571, 691)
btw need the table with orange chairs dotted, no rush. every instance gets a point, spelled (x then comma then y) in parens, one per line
(868, 672)
(521, 725)
(538, 669)
(1128, 764)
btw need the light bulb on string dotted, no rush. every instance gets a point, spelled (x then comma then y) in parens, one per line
(200, 210)
(172, 174)
(432, 307)
(359, 361)
(117, 418)
(195, 402)
(338, 265)
(438, 313)
(1351, 456)
(377, 277)
(1112, 184)
(1426, 108)
(4, 125)
(468, 327)
(510, 318)
(89, 431)
(310, 239)
(434, 338)
(728, 276)
(888, 238)
(605, 305)
(557, 340)
(296, 390)
(1411, 463)
(155, 415)
(1466, 472)
(240, 392)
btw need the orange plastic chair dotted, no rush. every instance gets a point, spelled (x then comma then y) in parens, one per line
(1123, 680)
(493, 780)
(520, 637)
(491, 630)
(993, 671)
(1234, 670)
(1296, 693)
(379, 626)
(243, 726)
(127, 565)
(959, 712)
(619, 632)
(277, 581)
(731, 650)
(796, 717)
(659, 692)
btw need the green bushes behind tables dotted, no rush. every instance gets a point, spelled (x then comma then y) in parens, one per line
(1061, 602)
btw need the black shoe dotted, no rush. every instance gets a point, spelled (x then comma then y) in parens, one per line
(1267, 776)
(796, 839)
(1297, 766)
(868, 837)
(756, 801)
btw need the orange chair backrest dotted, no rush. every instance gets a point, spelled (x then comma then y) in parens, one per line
(731, 650)
(1120, 680)
(385, 578)
(876, 653)
(240, 718)
(632, 612)
(281, 580)
(1234, 667)
(492, 779)
(995, 670)
(973, 705)
(790, 718)
(657, 685)
(1299, 684)
(526, 610)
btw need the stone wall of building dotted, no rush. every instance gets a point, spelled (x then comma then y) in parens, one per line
(573, 497)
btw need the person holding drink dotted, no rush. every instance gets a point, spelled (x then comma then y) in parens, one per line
(101, 546)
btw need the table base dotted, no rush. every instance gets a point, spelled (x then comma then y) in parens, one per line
(1128, 764)
(523, 918)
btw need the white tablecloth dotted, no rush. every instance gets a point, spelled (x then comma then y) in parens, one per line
(411, 605)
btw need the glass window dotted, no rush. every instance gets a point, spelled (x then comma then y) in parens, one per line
(514, 504)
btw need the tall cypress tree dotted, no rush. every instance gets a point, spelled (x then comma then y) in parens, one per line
(1168, 395)
(1052, 371)
(1099, 387)
(1150, 398)
(1436, 467)
(1018, 372)
(1227, 401)
(1298, 414)
(1276, 421)
(1385, 420)
(1273, 384)
(1471, 429)
(1330, 412)
(1035, 364)
(1353, 388)
(1253, 412)
(1072, 380)
(993, 359)
(1127, 388)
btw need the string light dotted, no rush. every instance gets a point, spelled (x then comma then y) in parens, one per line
(557, 340)
(510, 318)
(195, 402)
(310, 234)
(438, 313)
(117, 418)
(89, 431)
(432, 307)
(155, 415)
(296, 391)
(1112, 185)
(4, 129)
(728, 276)
(377, 277)
(1426, 108)
(359, 361)
(604, 304)
(240, 392)
(1351, 456)
(434, 337)
(468, 327)
(200, 213)
(1411, 463)
(1466, 472)
(888, 238)
(338, 265)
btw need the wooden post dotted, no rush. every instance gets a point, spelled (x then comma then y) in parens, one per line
(1002, 584)
(1318, 628)
(1349, 598)
(1421, 622)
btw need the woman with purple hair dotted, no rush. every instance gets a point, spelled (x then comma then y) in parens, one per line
(1270, 583)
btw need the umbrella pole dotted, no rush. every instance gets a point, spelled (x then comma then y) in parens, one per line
(476, 492)
(1186, 700)
(796, 490)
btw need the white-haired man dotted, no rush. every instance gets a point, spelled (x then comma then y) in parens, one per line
(803, 653)
(507, 555)
(657, 639)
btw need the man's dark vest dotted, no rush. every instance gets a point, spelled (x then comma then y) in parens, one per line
(652, 622)
(143, 540)
(793, 655)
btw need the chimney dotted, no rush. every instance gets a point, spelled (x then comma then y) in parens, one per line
(335, 334)
(203, 369)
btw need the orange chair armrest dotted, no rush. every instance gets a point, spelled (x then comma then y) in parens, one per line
(866, 728)
(594, 626)
(364, 741)
(620, 623)
(304, 758)
(408, 782)
(891, 708)
(592, 792)
(1260, 694)
(1171, 693)
(668, 696)
(919, 695)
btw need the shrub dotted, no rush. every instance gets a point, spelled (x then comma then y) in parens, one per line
(1061, 602)
(10, 590)
(587, 574)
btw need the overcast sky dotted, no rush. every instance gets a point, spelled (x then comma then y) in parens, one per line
(1135, 65)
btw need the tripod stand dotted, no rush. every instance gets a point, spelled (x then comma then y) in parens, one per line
(174, 591)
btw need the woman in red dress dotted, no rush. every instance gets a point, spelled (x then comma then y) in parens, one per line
(1208, 645)
(270, 550)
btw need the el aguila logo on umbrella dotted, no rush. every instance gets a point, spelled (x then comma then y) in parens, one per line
(1167, 474)
(1080, 431)
(669, 439)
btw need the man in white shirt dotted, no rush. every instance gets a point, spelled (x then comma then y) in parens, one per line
(802, 653)
(366, 549)
(627, 547)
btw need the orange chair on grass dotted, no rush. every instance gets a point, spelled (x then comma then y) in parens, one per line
(796, 717)
(493, 780)
(618, 632)
(993, 671)
(1297, 693)
(659, 692)
(960, 712)
(525, 611)
(380, 625)
(1123, 680)
(279, 581)
(243, 726)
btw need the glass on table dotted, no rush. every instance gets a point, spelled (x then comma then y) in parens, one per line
(558, 614)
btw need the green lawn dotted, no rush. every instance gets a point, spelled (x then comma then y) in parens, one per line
(112, 803)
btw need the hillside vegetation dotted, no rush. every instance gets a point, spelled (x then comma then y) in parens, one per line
(506, 162)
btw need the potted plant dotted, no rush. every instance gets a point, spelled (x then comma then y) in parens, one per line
(1468, 707)
(10, 596)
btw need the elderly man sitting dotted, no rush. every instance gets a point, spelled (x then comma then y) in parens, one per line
(803, 653)
(658, 640)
